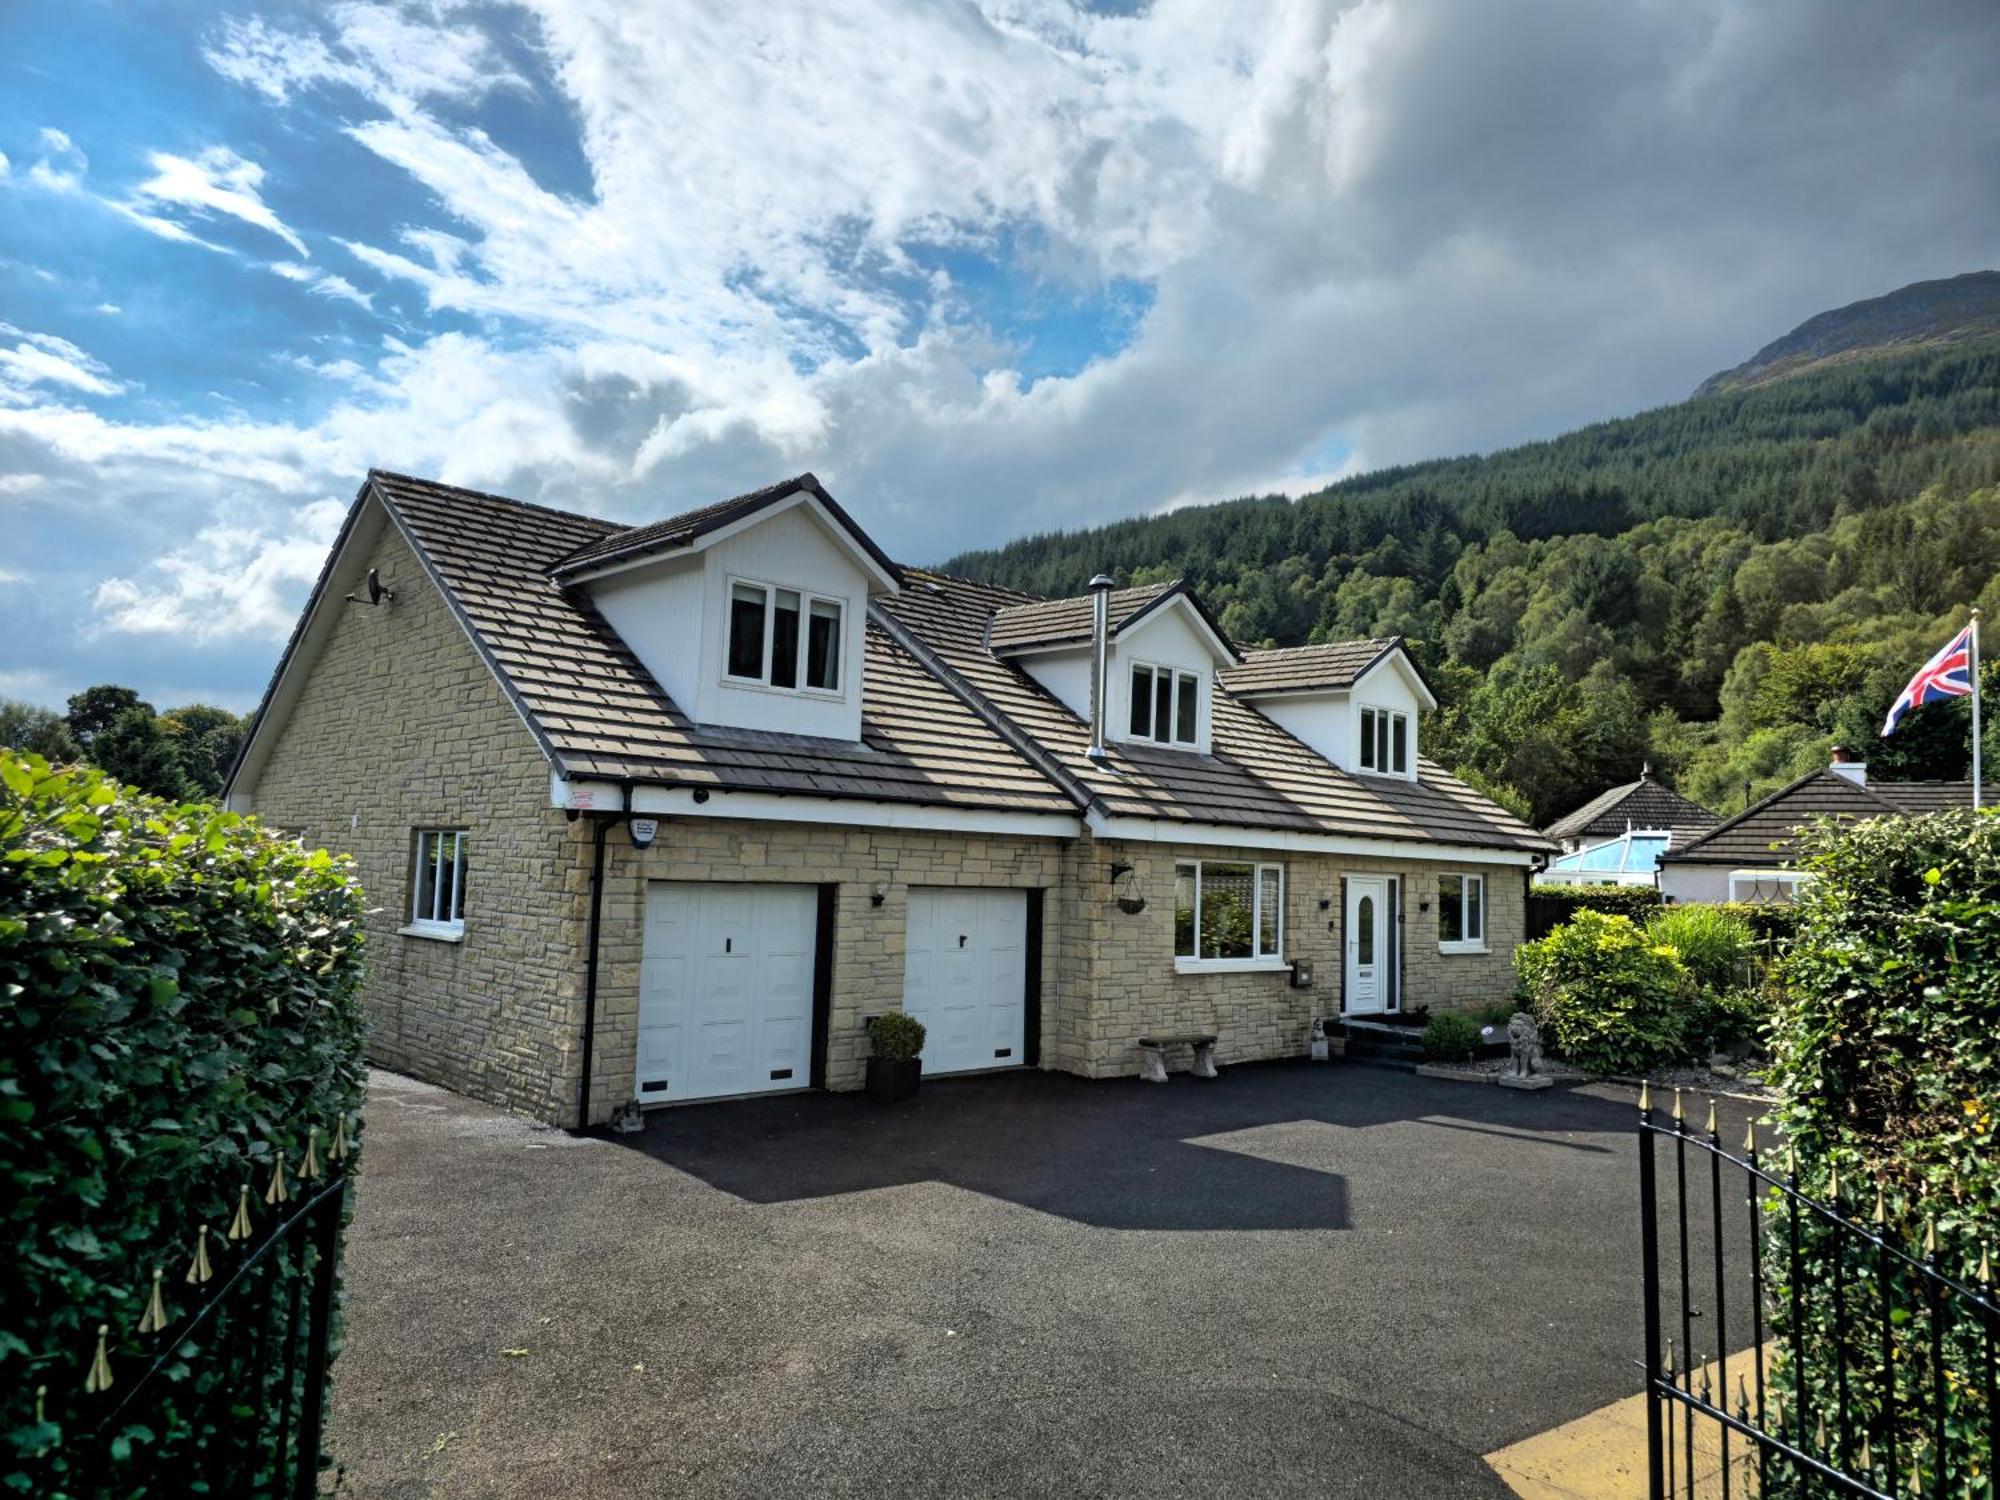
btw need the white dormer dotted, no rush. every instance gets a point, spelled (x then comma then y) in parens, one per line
(751, 614)
(1356, 702)
(1161, 652)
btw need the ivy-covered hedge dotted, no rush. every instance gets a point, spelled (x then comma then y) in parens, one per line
(177, 1007)
(1886, 1052)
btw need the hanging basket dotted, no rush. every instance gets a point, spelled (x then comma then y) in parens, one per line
(1132, 905)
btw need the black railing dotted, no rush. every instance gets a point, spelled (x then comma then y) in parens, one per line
(231, 1397)
(1860, 1366)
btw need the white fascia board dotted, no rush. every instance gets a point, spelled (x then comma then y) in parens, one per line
(1290, 841)
(1401, 659)
(839, 533)
(679, 802)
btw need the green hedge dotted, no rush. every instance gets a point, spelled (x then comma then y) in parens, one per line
(1886, 1050)
(177, 1007)
(1609, 999)
(1562, 901)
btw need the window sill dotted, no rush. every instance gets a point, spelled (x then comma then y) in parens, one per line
(436, 932)
(1232, 965)
(1448, 949)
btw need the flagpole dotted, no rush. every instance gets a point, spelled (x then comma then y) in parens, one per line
(1975, 710)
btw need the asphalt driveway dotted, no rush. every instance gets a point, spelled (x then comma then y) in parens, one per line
(1336, 1281)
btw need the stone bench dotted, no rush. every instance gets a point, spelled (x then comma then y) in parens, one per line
(1153, 1055)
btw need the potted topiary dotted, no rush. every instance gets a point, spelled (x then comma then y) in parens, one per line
(895, 1068)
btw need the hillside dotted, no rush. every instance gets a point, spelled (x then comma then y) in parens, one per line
(1724, 587)
(1922, 313)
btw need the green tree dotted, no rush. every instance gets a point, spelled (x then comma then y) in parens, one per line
(134, 749)
(36, 731)
(96, 709)
(206, 739)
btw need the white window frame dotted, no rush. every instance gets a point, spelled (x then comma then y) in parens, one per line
(1258, 960)
(1183, 680)
(445, 919)
(807, 599)
(1467, 943)
(1375, 738)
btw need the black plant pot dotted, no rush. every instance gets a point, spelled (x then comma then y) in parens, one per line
(889, 1081)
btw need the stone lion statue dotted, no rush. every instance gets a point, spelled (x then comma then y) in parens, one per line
(1524, 1043)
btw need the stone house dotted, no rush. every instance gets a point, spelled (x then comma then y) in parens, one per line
(675, 808)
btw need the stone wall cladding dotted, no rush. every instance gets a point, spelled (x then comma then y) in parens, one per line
(868, 939)
(401, 726)
(1136, 990)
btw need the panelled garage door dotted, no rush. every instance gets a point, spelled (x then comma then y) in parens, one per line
(965, 976)
(725, 990)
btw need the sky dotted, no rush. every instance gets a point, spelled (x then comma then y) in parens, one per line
(986, 268)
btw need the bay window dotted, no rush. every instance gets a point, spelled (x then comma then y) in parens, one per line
(783, 638)
(1228, 913)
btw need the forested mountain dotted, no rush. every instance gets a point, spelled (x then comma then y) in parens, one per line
(1924, 312)
(1724, 587)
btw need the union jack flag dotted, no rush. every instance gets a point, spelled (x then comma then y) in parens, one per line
(1946, 675)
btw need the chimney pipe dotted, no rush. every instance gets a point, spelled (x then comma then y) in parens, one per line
(1100, 643)
(1844, 764)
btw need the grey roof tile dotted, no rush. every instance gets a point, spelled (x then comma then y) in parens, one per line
(1294, 669)
(1640, 804)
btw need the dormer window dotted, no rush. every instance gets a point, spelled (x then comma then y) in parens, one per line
(784, 638)
(1385, 741)
(1166, 705)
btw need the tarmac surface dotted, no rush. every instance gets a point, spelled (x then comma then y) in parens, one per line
(1295, 1280)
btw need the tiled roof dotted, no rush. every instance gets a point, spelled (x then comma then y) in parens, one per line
(1259, 776)
(655, 537)
(1294, 669)
(1765, 833)
(1642, 804)
(1050, 622)
(599, 713)
(944, 720)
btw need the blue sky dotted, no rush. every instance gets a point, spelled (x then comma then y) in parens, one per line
(986, 268)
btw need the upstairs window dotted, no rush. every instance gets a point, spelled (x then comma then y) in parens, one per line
(1166, 705)
(1385, 741)
(437, 882)
(1461, 912)
(784, 638)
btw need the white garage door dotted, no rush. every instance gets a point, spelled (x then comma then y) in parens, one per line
(965, 975)
(725, 990)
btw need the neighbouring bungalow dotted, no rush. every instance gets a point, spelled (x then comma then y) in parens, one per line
(1750, 857)
(1619, 837)
(660, 813)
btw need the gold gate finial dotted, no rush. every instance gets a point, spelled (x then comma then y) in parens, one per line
(1711, 1117)
(1750, 1139)
(1645, 1097)
(98, 1380)
(199, 1269)
(1677, 1104)
(338, 1150)
(240, 1226)
(309, 1168)
(277, 1192)
(156, 1307)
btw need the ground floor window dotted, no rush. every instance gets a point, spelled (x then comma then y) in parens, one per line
(1228, 912)
(437, 880)
(1461, 911)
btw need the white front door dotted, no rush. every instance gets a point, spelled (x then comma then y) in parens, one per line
(725, 990)
(965, 976)
(1368, 952)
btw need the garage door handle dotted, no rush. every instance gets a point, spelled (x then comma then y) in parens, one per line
(725, 944)
(961, 940)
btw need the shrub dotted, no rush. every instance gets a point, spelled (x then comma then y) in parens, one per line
(1883, 1051)
(1771, 923)
(1608, 999)
(1712, 941)
(1624, 900)
(177, 1008)
(1450, 1037)
(895, 1036)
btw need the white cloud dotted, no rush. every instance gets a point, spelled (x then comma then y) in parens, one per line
(291, 270)
(5, 165)
(109, 309)
(61, 166)
(217, 181)
(340, 287)
(43, 359)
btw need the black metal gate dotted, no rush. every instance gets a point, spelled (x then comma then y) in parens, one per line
(1859, 1364)
(232, 1395)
